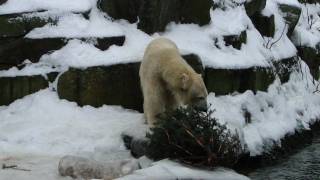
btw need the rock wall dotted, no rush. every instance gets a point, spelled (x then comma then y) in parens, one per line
(154, 15)
(119, 84)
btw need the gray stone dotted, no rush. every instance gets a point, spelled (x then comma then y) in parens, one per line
(255, 6)
(236, 40)
(285, 67)
(13, 88)
(311, 57)
(96, 86)
(309, 1)
(16, 25)
(154, 15)
(121, 9)
(227, 81)
(105, 42)
(3, 1)
(265, 25)
(13, 51)
(291, 16)
(195, 62)
(84, 168)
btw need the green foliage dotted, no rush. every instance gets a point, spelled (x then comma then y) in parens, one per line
(193, 137)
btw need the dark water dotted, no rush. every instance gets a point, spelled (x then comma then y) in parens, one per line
(304, 165)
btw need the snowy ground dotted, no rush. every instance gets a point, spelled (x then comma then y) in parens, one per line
(41, 128)
(36, 131)
(41, 167)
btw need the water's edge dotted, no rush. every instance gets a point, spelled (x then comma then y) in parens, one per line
(292, 145)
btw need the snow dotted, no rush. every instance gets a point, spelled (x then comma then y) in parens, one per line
(31, 69)
(307, 31)
(166, 169)
(206, 41)
(200, 41)
(19, 6)
(280, 45)
(37, 130)
(42, 167)
(76, 26)
(41, 123)
(289, 2)
(280, 111)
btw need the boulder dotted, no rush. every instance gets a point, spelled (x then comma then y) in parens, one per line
(265, 25)
(195, 62)
(309, 1)
(96, 86)
(255, 6)
(3, 1)
(17, 25)
(121, 9)
(13, 51)
(227, 81)
(291, 15)
(13, 88)
(195, 11)
(105, 42)
(222, 81)
(311, 57)
(137, 146)
(236, 40)
(85, 168)
(285, 67)
(154, 15)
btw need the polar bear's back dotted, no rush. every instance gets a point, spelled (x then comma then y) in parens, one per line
(162, 55)
(161, 43)
(161, 47)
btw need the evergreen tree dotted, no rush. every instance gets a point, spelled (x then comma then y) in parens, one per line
(193, 137)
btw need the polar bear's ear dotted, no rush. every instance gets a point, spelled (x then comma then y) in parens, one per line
(184, 79)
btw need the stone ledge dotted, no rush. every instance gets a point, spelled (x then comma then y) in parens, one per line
(13, 51)
(13, 88)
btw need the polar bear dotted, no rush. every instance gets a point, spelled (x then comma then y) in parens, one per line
(167, 81)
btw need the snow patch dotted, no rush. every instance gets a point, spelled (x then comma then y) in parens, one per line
(41, 123)
(19, 6)
(280, 111)
(76, 26)
(307, 31)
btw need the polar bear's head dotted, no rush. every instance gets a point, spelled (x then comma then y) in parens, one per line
(193, 91)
